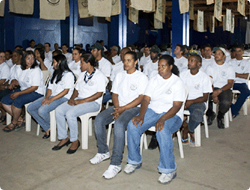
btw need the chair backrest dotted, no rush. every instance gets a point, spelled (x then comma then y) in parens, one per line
(46, 76)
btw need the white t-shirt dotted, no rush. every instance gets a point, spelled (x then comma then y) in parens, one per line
(197, 84)
(96, 84)
(66, 82)
(30, 49)
(118, 67)
(206, 63)
(13, 72)
(163, 92)
(4, 71)
(48, 55)
(75, 67)
(241, 67)
(30, 77)
(181, 63)
(144, 60)
(129, 86)
(116, 59)
(150, 67)
(105, 67)
(68, 57)
(221, 74)
(9, 63)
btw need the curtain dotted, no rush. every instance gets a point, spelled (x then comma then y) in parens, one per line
(22, 7)
(241, 7)
(100, 8)
(200, 21)
(218, 9)
(133, 15)
(184, 6)
(144, 5)
(52, 10)
(83, 9)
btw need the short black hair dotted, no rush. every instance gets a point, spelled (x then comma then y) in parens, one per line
(65, 45)
(48, 44)
(32, 40)
(241, 46)
(9, 51)
(208, 45)
(182, 48)
(89, 58)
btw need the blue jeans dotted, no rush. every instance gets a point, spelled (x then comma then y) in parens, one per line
(41, 112)
(244, 93)
(20, 101)
(196, 115)
(120, 126)
(164, 138)
(66, 111)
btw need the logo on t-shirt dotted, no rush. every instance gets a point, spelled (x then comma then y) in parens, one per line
(90, 83)
(223, 73)
(169, 91)
(27, 79)
(197, 86)
(242, 68)
(133, 86)
(181, 64)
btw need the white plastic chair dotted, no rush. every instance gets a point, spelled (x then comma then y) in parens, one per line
(46, 78)
(245, 103)
(227, 116)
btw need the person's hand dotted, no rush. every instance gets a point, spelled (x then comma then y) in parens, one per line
(39, 59)
(159, 125)
(138, 120)
(14, 95)
(216, 93)
(71, 102)
(215, 100)
(187, 104)
(2, 87)
(117, 112)
(76, 102)
(46, 101)
(11, 86)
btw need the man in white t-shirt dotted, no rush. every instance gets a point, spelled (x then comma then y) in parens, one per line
(114, 50)
(207, 59)
(65, 52)
(151, 68)
(8, 60)
(145, 58)
(103, 65)
(180, 61)
(48, 53)
(199, 86)
(242, 69)
(32, 46)
(223, 78)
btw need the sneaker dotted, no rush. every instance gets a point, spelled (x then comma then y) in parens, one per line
(112, 171)
(99, 158)
(129, 168)
(167, 178)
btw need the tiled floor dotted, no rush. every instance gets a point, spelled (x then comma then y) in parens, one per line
(222, 162)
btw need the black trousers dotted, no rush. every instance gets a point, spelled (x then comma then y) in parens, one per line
(225, 101)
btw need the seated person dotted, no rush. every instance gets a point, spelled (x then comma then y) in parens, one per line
(30, 80)
(45, 64)
(86, 98)
(32, 46)
(60, 89)
(65, 52)
(115, 54)
(180, 61)
(8, 60)
(150, 69)
(145, 58)
(162, 106)
(4, 88)
(75, 65)
(242, 69)
(199, 86)
(223, 78)
(127, 93)
(48, 53)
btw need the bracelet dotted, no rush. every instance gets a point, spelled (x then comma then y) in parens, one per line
(221, 90)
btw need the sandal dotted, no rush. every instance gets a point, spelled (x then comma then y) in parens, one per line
(191, 143)
(19, 127)
(184, 141)
(8, 129)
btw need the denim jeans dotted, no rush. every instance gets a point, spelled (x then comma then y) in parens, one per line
(196, 115)
(244, 93)
(225, 101)
(41, 112)
(120, 126)
(20, 101)
(66, 111)
(107, 96)
(164, 138)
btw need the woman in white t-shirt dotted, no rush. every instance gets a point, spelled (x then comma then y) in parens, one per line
(128, 88)
(162, 106)
(60, 89)
(45, 64)
(86, 98)
(30, 79)
(75, 64)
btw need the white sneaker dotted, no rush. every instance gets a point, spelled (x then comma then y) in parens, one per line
(167, 178)
(129, 168)
(98, 158)
(112, 171)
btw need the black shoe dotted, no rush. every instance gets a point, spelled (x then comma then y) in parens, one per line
(59, 147)
(211, 118)
(73, 151)
(220, 123)
(153, 143)
(46, 136)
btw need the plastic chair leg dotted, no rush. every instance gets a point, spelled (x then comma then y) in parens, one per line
(8, 119)
(180, 144)
(52, 126)
(205, 125)
(197, 136)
